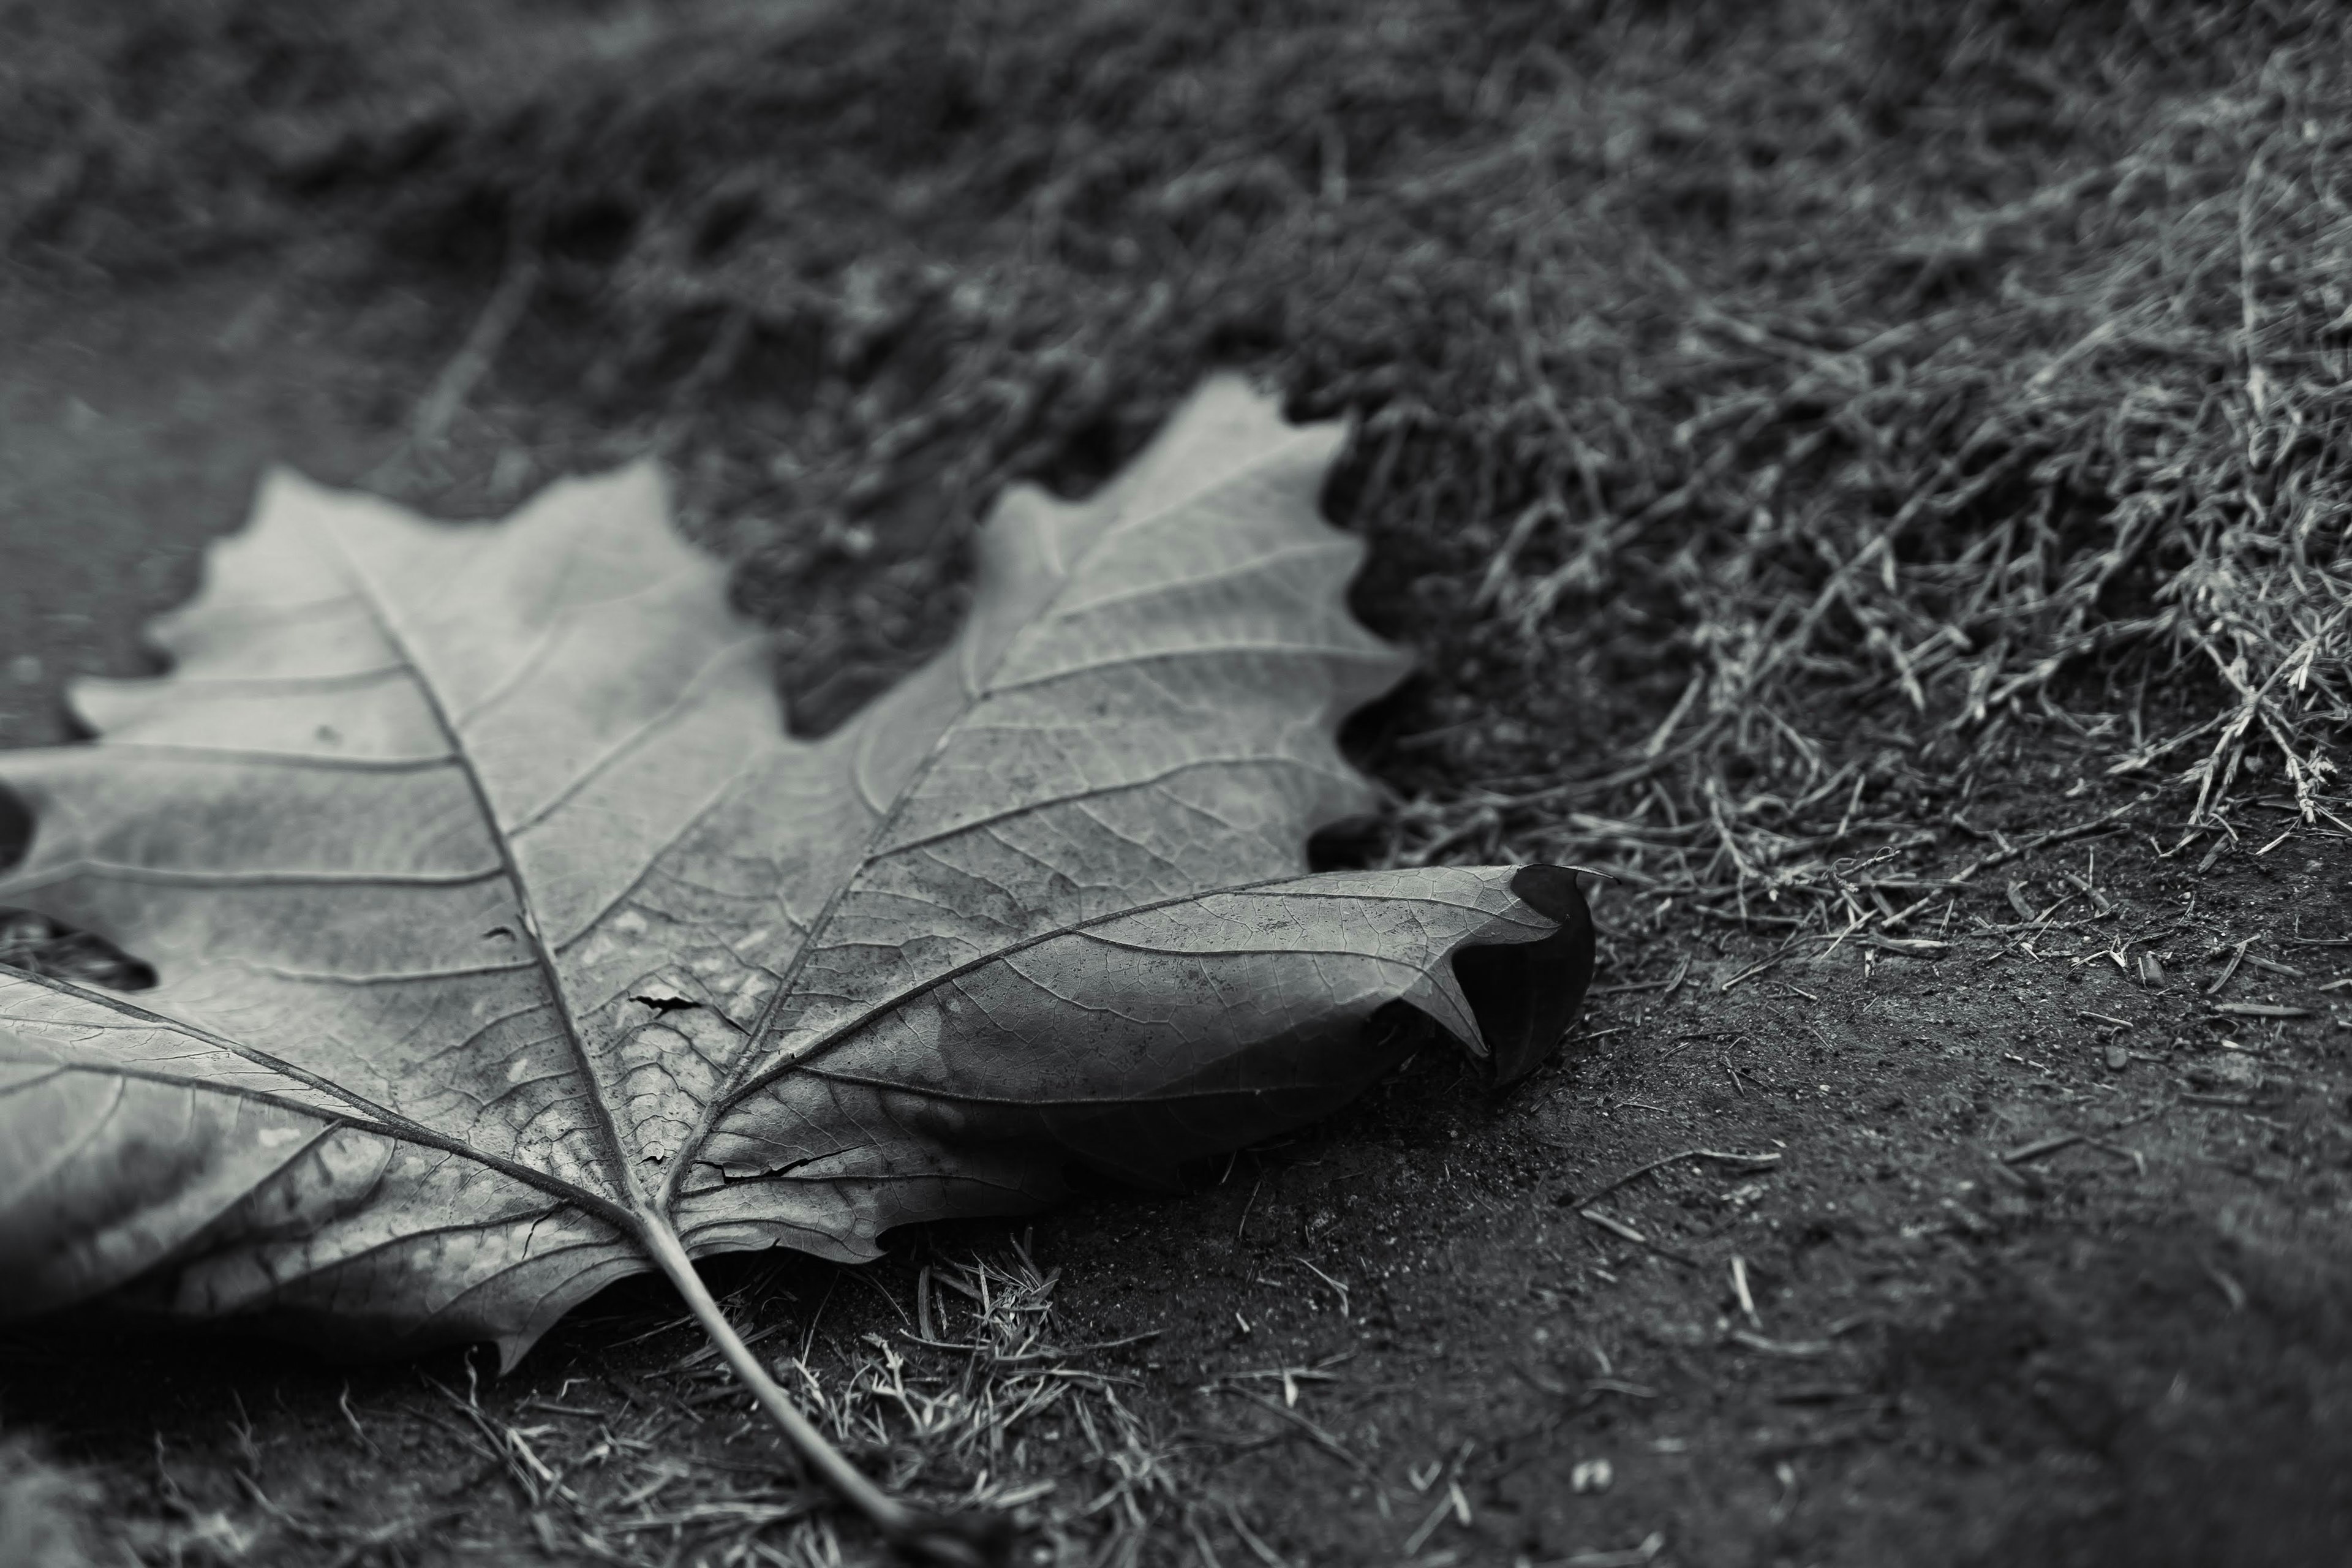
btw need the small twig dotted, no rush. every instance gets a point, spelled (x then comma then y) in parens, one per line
(1614, 1227)
(2237, 955)
(2041, 1146)
(1243, 1222)
(1338, 1289)
(1638, 1171)
(1740, 1289)
(474, 358)
(1763, 1345)
(2101, 824)
(1618, 1227)
(1322, 1439)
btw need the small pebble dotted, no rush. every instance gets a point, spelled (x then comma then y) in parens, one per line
(2118, 1058)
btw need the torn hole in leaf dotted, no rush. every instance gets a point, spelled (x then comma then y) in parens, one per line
(1525, 994)
(15, 830)
(663, 1000)
(40, 945)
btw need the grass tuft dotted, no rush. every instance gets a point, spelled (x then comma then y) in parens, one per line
(976, 1402)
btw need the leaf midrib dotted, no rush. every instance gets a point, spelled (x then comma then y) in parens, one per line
(630, 1210)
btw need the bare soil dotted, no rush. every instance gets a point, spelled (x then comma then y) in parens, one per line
(2043, 1249)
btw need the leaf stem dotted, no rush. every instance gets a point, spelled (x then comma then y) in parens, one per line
(942, 1539)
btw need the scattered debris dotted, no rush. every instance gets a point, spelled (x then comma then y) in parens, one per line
(1615, 1227)
(1717, 1156)
(1630, 1557)
(1802, 1349)
(2034, 1151)
(1740, 1289)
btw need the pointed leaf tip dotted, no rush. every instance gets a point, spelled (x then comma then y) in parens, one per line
(1552, 890)
(1525, 994)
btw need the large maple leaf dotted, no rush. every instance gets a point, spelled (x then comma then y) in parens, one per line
(507, 944)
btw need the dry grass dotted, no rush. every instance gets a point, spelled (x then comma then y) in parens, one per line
(975, 1402)
(1914, 460)
(969, 1397)
(1015, 1422)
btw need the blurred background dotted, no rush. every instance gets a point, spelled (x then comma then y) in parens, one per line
(1780, 387)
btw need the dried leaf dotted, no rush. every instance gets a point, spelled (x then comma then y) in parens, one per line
(508, 945)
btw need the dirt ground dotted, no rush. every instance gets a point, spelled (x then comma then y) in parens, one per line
(2016, 1237)
(2042, 1247)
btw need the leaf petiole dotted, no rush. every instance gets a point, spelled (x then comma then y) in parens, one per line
(957, 1541)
